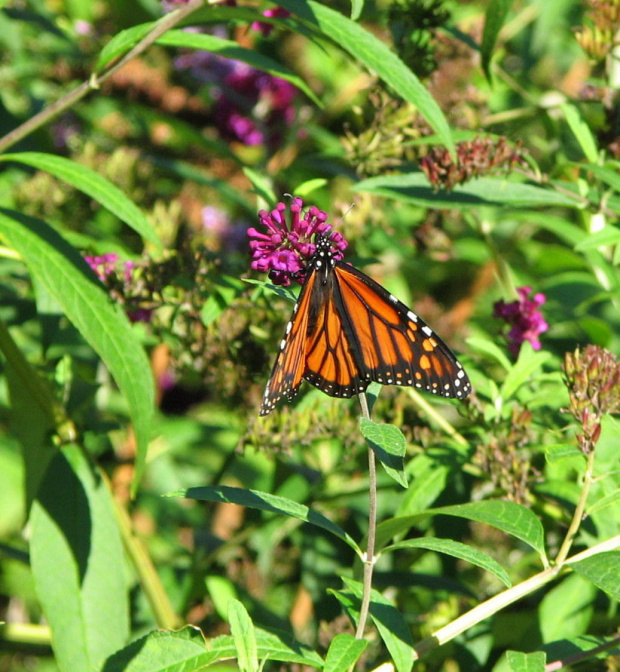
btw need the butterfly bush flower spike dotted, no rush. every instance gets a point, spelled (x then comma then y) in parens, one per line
(592, 376)
(284, 250)
(524, 317)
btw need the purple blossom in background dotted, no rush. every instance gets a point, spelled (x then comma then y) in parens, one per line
(103, 265)
(84, 28)
(266, 28)
(119, 280)
(251, 106)
(64, 130)
(525, 318)
(286, 247)
(227, 232)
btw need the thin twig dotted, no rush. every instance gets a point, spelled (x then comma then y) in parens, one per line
(96, 79)
(369, 560)
(578, 515)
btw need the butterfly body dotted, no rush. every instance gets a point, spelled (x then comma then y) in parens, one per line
(347, 331)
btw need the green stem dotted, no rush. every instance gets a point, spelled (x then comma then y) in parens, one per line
(502, 600)
(578, 515)
(156, 596)
(437, 418)
(95, 81)
(369, 560)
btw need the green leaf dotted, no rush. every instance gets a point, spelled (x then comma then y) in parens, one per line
(602, 570)
(104, 325)
(521, 372)
(394, 630)
(581, 131)
(264, 501)
(607, 174)
(356, 9)
(414, 188)
(509, 517)
(429, 481)
(608, 235)
(304, 189)
(376, 56)
(496, 14)
(186, 649)
(562, 451)
(77, 562)
(242, 630)
(457, 550)
(604, 502)
(343, 652)
(491, 350)
(566, 610)
(526, 662)
(92, 184)
(220, 590)
(389, 445)
(231, 49)
(121, 43)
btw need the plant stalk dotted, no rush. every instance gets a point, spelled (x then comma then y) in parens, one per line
(369, 560)
(578, 515)
(95, 80)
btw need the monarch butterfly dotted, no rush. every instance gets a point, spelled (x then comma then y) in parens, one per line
(347, 331)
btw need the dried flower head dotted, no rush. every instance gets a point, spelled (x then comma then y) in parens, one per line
(286, 247)
(593, 380)
(526, 320)
(474, 158)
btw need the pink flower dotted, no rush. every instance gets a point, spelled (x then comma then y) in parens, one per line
(525, 318)
(287, 246)
(266, 28)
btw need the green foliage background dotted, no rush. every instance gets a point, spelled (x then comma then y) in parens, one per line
(479, 501)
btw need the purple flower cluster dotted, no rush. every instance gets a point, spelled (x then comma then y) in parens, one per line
(266, 28)
(286, 247)
(103, 265)
(251, 106)
(525, 318)
(118, 279)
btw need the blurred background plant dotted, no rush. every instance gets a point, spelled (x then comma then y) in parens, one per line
(242, 103)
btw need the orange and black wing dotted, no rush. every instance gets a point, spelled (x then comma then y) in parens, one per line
(385, 342)
(347, 331)
(288, 369)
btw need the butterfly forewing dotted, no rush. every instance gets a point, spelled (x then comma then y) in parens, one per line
(288, 369)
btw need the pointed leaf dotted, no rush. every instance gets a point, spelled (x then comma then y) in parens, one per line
(77, 563)
(186, 649)
(103, 324)
(603, 569)
(343, 652)
(376, 56)
(457, 550)
(394, 630)
(415, 188)
(496, 14)
(242, 630)
(581, 131)
(264, 501)
(389, 445)
(521, 372)
(92, 184)
(512, 518)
